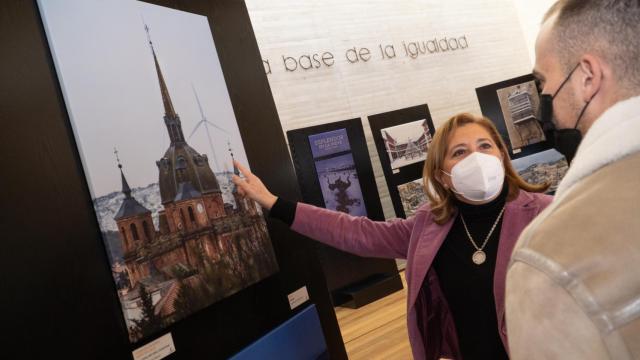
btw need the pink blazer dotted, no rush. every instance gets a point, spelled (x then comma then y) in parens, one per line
(418, 239)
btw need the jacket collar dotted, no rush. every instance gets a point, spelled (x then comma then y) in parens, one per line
(431, 240)
(524, 199)
(614, 135)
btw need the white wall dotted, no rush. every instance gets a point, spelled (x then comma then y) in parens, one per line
(530, 14)
(445, 81)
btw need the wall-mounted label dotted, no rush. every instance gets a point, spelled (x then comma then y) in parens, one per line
(298, 297)
(156, 350)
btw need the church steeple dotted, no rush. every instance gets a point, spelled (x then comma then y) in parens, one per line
(171, 118)
(130, 206)
(126, 190)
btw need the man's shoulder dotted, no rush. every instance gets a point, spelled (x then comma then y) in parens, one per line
(597, 207)
(587, 244)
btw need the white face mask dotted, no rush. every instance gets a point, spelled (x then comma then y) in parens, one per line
(478, 177)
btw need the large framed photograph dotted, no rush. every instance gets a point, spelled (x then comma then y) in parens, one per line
(402, 138)
(512, 105)
(548, 166)
(157, 133)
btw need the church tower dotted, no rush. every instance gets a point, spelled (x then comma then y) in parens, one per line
(135, 227)
(184, 174)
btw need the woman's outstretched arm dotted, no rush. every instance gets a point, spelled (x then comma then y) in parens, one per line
(358, 235)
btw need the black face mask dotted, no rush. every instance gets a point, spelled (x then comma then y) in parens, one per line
(566, 141)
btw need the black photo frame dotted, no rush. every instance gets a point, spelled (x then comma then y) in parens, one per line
(404, 174)
(63, 298)
(345, 272)
(491, 108)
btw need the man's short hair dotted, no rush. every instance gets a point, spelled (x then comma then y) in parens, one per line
(607, 28)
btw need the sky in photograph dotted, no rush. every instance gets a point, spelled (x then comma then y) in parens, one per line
(111, 90)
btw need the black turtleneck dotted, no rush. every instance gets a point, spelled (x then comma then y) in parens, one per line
(467, 287)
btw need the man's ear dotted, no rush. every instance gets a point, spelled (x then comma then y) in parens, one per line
(592, 69)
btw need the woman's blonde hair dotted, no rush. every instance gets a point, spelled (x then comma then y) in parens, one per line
(440, 198)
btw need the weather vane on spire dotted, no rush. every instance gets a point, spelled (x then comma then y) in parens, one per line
(146, 28)
(115, 151)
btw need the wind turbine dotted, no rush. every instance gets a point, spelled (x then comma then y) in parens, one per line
(206, 127)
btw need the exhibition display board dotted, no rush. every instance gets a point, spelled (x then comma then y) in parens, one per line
(402, 139)
(334, 171)
(112, 251)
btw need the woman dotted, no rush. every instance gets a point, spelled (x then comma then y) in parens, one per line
(457, 246)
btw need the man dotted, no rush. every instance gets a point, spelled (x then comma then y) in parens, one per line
(573, 286)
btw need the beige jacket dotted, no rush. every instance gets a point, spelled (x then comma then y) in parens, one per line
(573, 285)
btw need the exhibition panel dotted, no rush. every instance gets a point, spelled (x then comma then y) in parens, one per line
(334, 171)
(149, 245)
(402, 138)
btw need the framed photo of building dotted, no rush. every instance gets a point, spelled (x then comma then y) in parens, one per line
(157, 134)
(519, 104)
(406, 144)
(512, 105)
(178, 235)
(402, 138)
(547, 166)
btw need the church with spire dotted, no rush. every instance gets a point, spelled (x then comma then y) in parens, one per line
(196, 228)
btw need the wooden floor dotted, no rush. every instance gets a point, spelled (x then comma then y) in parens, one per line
(377, 330)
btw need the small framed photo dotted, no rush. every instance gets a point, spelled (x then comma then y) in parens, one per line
(412, 196)
(334, 170)
(402, 138)
(512, 105)
(546, 166)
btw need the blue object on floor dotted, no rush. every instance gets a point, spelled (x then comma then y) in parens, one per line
(299, 338)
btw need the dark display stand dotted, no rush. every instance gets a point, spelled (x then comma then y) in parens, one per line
(353, 280)
(56, 282)
(406, 173)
